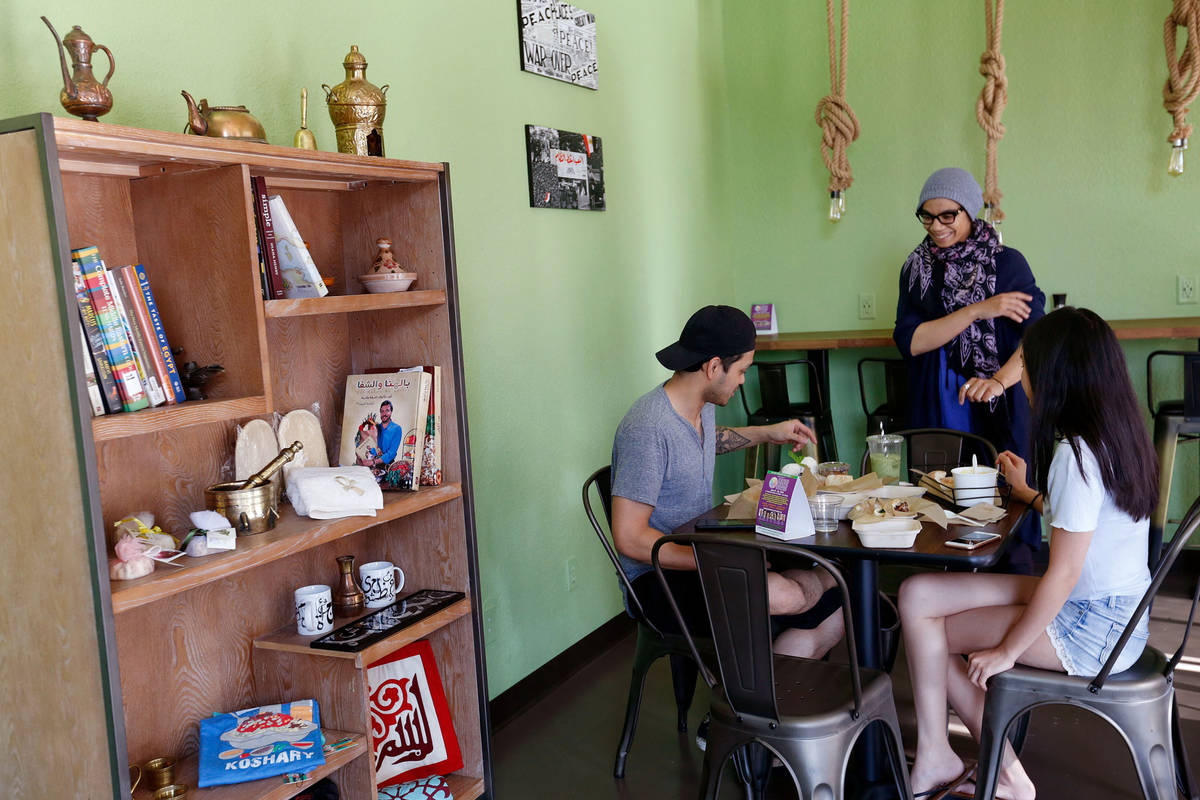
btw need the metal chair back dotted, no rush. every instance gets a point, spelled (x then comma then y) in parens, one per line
(932, 449)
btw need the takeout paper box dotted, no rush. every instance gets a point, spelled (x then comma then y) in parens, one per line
(744, 504)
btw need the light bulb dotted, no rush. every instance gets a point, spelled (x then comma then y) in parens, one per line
(837, 205)
(988, 216)
(1175, 165)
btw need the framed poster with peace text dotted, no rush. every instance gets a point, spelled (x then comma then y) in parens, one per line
(566, 169)
(558, 40)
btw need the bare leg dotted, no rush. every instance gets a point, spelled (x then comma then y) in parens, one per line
(926, 601)
(812, 643)
(795, 591)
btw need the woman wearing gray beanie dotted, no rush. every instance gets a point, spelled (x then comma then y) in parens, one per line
(965, 301)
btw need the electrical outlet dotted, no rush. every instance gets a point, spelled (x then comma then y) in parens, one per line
(489, 619)
(866, 305)
(1187, 289)
(572, 576)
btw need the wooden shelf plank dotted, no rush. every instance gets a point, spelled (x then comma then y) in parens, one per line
(464, 787)
(292, 534)
(183, 415)
(347, 303)
(267, 788)
(286, 638)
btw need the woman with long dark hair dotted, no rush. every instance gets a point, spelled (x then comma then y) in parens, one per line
(1098, 475)
(965, 300)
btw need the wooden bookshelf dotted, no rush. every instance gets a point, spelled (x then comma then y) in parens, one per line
(182, 206)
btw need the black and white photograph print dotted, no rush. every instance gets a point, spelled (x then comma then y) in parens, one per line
(558, 40)
(566, 169)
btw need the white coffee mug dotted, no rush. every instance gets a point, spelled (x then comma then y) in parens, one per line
(314, 610)
(380, 582)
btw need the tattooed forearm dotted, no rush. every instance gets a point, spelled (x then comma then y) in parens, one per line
(729, 440)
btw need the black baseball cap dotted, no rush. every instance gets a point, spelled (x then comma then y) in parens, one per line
(719, 331)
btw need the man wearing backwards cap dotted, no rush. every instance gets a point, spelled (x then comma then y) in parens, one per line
(663, 456)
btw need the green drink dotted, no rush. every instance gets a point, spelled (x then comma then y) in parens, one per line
(885, 456)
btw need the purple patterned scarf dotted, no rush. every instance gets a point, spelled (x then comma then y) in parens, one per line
(970, 276)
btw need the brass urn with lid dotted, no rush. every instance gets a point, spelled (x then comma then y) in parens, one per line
(356, 107)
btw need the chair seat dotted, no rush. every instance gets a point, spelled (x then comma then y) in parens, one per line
(1142, 681)
(816, 695)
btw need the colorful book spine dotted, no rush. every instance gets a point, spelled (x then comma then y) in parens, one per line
(137, 344)
(262, 212)
(89, 374)
(139, 318)
(116, 345)
(431, 464)
(160, 334)
(110, 394)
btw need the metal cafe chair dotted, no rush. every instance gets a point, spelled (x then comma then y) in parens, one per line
(892, 413)
(1175, 421)
(808, 713)
(652, 644)
(777, 405)
(1139, 703)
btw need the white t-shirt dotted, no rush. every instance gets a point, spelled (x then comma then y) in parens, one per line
(1116, 558)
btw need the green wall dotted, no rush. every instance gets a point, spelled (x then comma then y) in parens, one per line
(715, 188)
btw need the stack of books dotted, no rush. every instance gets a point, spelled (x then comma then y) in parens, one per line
(130, 365)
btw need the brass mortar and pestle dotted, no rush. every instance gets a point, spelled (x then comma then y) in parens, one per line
(252, 505)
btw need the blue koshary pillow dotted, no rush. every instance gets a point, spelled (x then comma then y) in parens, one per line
(260, 742)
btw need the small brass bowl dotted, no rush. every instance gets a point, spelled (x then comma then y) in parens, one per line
(175, 790)
(160, 772)
(249, 510)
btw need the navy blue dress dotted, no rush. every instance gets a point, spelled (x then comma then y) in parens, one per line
(933, 385)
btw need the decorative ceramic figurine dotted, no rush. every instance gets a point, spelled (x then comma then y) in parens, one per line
(385, 260)
(357, 107)
(82, 95)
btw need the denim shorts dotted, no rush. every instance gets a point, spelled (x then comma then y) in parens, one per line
(1085, 631)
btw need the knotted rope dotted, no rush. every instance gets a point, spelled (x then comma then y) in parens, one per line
(990, 105)
(1183, 79)
(839, 126)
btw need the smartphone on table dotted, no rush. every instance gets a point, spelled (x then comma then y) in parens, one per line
(969, 541)
(713, 524)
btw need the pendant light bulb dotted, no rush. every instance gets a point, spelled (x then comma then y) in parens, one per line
(1175, 165)
(989, 216)
(837, 205)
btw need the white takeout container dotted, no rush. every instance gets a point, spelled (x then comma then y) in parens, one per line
(893, 532)
(974, 485)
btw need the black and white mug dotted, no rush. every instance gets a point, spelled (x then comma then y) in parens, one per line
(314, 610)
(380, 582)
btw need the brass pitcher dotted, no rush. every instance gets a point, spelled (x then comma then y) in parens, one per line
(356, 107)
(82, 95)
(226, 122)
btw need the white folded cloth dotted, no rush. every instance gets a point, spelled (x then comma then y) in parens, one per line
(333, 492)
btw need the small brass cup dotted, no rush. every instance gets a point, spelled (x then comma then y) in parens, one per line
(160, 772)
(175, 790)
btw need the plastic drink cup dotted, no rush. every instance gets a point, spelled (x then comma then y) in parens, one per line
(825, 509)
(884, 449)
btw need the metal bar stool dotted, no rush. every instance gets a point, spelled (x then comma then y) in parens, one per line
(777, 406)
(1175, 421)
(892, 413)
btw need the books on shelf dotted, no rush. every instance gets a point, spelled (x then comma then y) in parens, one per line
(431, 459)
(122, 328)
(384, 422)
(89, 374)
(112, 328)
(110, 395)
(297, 270)
(268, 253)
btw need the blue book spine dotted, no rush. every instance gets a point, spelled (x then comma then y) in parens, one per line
(160, 333)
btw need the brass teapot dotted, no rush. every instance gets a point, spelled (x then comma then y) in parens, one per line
(82, 95)
(226, 122)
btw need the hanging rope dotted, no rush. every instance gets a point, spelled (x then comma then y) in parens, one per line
(839, 126)
(990, 105)
(1183, 79)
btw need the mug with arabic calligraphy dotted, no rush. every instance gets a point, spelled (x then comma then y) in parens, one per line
(380, 582)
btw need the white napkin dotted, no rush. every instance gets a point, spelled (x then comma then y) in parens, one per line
(334, 492)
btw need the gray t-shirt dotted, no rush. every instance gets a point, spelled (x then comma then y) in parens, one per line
(659, 459)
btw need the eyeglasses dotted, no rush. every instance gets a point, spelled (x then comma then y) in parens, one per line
(946, 217)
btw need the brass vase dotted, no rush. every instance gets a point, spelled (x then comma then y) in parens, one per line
(348, 599)
(356, 107)
(82, 94)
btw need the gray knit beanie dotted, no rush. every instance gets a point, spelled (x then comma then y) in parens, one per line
(953, 183)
